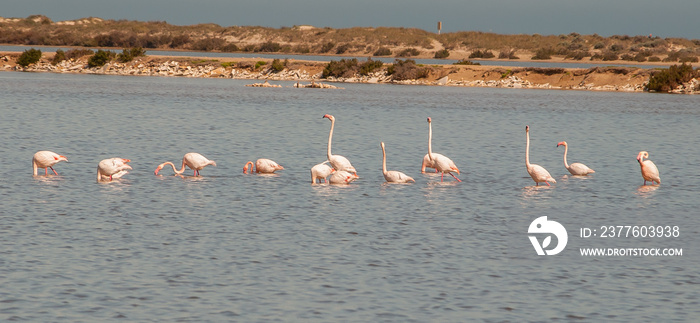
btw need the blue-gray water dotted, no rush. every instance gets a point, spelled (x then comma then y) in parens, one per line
(233, 247)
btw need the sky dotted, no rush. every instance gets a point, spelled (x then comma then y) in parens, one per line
(664, 18)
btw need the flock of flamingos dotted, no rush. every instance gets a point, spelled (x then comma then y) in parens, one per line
(341, 170)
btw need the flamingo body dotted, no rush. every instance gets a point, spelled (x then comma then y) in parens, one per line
(343, 177)
(578, 169)
(537, 172)
(111, 168)
(194, 161)
(441, 163)
(321, 172)
(338, 162)
(46, 159)
(427, 163)
(393, 176)
(649, 170)
(263, 165)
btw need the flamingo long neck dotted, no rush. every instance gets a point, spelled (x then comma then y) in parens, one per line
(182, 170)
(246, 166)
(35, 167)
(566, 150)
(383, 159)
(430, 140)
(330, 139)
(527, 149)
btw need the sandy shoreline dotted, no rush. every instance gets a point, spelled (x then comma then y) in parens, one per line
(608, 78)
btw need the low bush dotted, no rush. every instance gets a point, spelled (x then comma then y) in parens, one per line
(78, 53)
(258, 64)
(508, 54)
(407, 70)
(58, 57)
(408, 52)
(128, 55)
(666, 80)
(444, 53)
(342, 68)
(482, 54)
(342, 49)
(327, 47)
(382, 51)
(543, 53)
(30, 56)
(370, 66)
(270, 47)
(278, 65)
(100, 58)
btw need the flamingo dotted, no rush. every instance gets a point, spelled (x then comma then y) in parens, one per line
(320, 172)
(194, 161)
(343, 177)
(575, 168)
(46, 159)
(442, 164)
(537, 172)
(429, 163)
(338, 162)
(112, 168)
(263, 165)
(393, 176)
(649, 170)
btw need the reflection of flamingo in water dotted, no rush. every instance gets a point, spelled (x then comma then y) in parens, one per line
(194, 161)
(338, 162)
(441, 163)
(321, 172)
(393, 176)
(46, 159)
(649, 170)
(575, 168)
(262, 165)
(112, 168)
(537, 172)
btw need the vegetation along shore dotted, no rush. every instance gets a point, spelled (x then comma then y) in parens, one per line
(120, 47)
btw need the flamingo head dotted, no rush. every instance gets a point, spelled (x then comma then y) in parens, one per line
(60, 158)
(456, 170)
(562, 143)
(527, 128)
(429, 120)
(641, 155)
(158, 169)
(329, 117)
(245, 167)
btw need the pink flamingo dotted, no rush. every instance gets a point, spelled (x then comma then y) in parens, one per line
(321, 172)
(338, 162)
(537, 172)
(46, 159)
(575, 168)
(429, 163)
(649, 170)
(112, 168)
(263, 165)
(194, 161)
(343, 177)
(442, 164)
(393, 176)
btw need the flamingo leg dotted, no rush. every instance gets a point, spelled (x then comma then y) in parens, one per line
(54, 171)
(548, 184)
(441, 175)
(110, 177)
(46, 172)
(455, 177)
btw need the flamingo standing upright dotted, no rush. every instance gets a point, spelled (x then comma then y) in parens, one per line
(441, 163)
(46, 159)
(112, 168)
(393, 176)
(338, 162)
(321, 172)
(537, 172)
(194, 161)
(343, 177)
(649, 170)
(263, 165)
(575, 168)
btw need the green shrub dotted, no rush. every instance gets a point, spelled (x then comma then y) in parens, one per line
(407, 70)
(30, 56)
(278, 66)
(342, 68)
(444, 53)
(666, 80)
(260, 63)
(100, 58)
(58, 57)
(78, 53)
(370, 66)
(382, 51)
(482, 54)
(127, 55)
(209, 44)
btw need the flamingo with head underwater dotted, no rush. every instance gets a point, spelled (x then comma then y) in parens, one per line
(194, 161)
(46, 159)
(537, 172)
(263, 166)
(321, 172)
(111, 168)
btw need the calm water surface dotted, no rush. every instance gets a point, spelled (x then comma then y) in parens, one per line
(233, 247)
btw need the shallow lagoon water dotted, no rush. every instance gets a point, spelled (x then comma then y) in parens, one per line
(228, 246)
